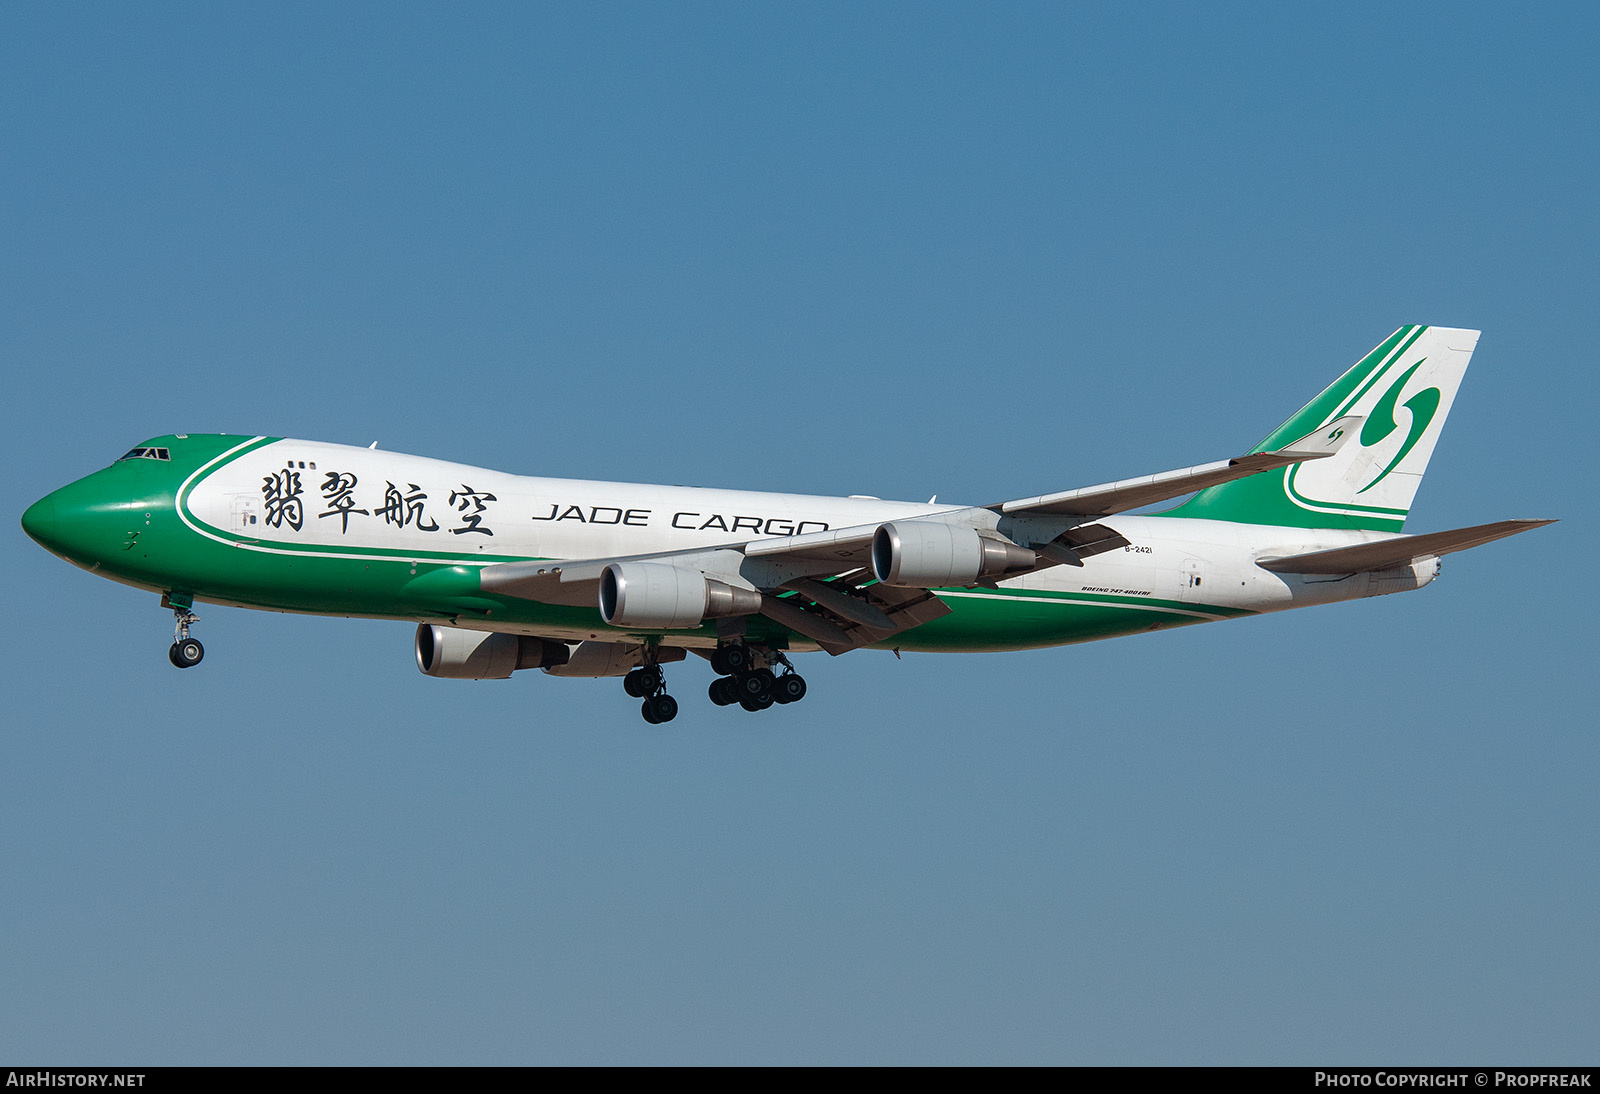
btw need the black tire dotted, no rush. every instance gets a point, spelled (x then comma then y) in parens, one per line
(789, 688)
(630, 684)
(755, 703)
(719, 661)
(649, 679)
(719, 692)
(735, 659)
(646, 708)
(664, 706)
(172, 655)
(751, 685)
(187, 652)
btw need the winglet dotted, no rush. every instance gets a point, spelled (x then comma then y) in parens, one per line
(1324, 441)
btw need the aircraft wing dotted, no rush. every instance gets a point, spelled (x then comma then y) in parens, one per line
(1399, 551)
(851, 546)
(566, 581)
(850, 611)
(1125, 494)
(820, 584)
(844, 610)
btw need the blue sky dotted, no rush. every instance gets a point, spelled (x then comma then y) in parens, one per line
(984, 251)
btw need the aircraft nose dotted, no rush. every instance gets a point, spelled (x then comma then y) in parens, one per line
(75, 522)
(40, 522)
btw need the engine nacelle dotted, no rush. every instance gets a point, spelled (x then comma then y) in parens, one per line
(919, 554)
(457, 654)
(660, 596)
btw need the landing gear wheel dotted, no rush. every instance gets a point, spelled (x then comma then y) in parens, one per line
(720, 692)
(633, 684)
(730, 660)
(659, 708)
(752, 686)
(186, 652)
(755, 703)
(789, 688)
(649, 679)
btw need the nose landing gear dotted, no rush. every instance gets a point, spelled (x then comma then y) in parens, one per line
(185, 652)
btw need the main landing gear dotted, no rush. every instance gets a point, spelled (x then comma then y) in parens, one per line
(186, 652)
(744, 676)
(647, 682)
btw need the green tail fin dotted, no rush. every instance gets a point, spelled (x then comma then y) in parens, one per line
(1404, 389)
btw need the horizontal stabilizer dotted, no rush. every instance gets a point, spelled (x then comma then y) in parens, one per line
(1400, 551)
(1125, 494)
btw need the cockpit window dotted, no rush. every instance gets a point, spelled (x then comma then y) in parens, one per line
(145, 454)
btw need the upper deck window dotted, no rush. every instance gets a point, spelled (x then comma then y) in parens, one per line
(145, 454)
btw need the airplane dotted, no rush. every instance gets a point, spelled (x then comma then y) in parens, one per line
(503, 573)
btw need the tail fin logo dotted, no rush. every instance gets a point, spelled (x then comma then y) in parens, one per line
(1380, 423)
(1392, 405)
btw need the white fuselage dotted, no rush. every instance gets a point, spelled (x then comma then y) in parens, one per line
(292, 496)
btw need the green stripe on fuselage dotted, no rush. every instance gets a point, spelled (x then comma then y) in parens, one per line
(168, 554)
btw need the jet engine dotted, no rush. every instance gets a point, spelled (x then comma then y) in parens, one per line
(926, 555)
(664, 597)
(458, 654)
